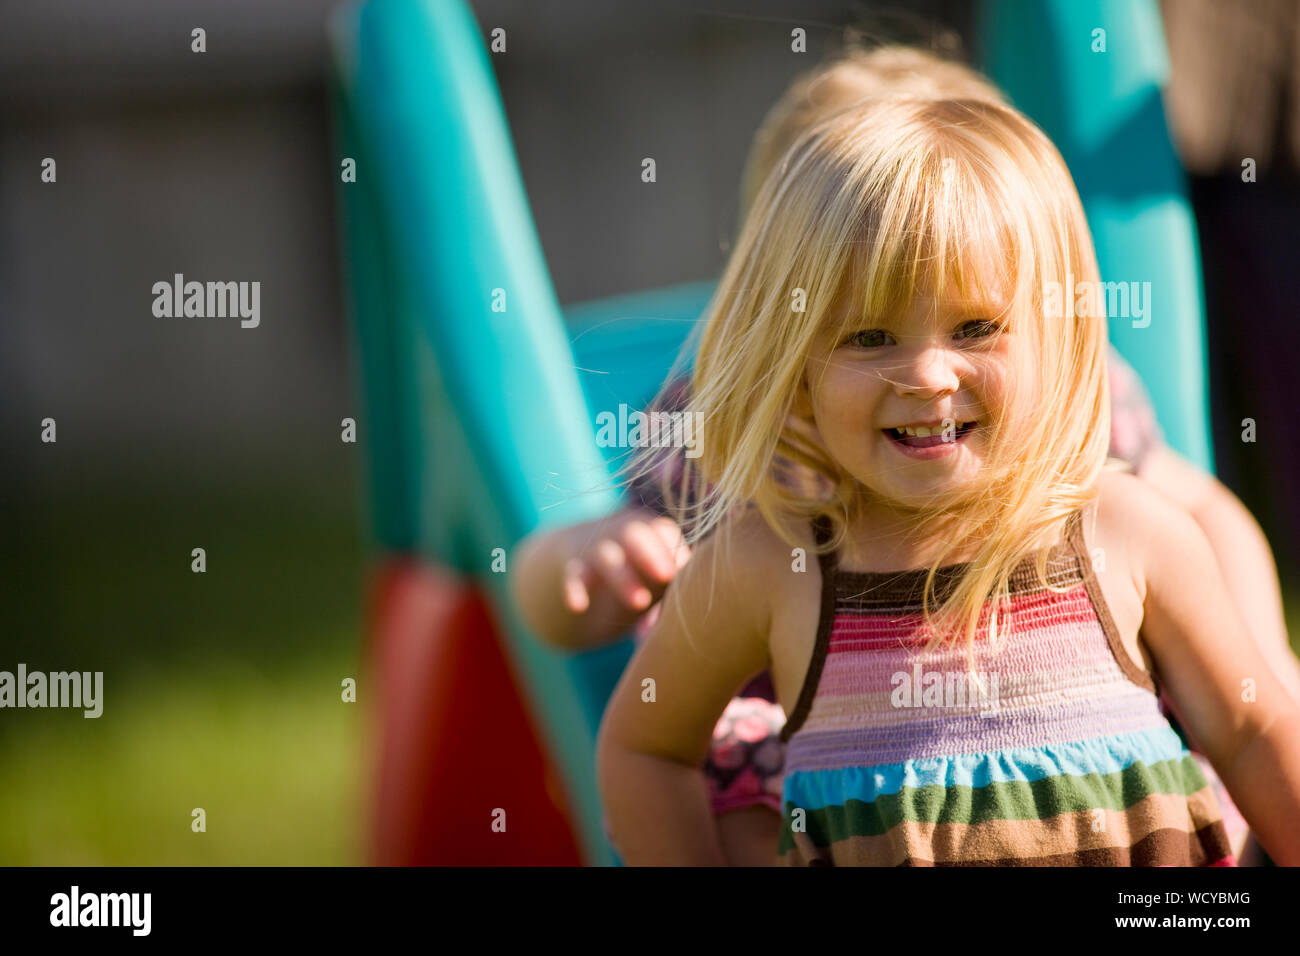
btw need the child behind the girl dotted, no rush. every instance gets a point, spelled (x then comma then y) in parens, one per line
(887, 294)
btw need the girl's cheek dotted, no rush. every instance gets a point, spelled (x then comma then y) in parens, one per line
(838, 388)
(857, 399)
(1011, 398)
(996, 377)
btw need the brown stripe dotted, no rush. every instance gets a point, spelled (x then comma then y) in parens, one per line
(1062, 575)
(1163, 848)
(905, 588)
(1139, 676)
(1166, 847)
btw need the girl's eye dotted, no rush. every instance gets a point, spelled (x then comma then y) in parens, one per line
(868, 338)
(979, 329)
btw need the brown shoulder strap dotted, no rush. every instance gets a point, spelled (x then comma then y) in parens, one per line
(1074, 535)
(826, 618)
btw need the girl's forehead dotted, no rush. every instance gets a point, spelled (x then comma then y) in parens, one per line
(930, 309)
(926, 277)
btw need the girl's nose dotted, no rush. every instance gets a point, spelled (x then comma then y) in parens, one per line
(930, 371)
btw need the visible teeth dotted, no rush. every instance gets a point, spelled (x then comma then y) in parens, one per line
(923, 431)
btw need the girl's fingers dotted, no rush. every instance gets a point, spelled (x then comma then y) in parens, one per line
(610, 563)
(671, 535)
(648, 554)
(636, 566)
(576, 597)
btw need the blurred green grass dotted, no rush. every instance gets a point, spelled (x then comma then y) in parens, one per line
(222, 690)
(273, 765)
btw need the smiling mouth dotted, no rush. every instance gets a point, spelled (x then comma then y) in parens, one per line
(922, 437)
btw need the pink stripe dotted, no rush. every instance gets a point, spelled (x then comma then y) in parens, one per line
(1070, 656)
(865, 631)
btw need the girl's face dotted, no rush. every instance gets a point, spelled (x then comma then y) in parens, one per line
(904, 404)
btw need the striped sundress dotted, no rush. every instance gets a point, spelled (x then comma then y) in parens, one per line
(1054, 753)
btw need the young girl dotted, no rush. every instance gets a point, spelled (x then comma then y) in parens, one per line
(962, 663)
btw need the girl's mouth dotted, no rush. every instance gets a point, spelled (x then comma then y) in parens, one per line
(919, 442)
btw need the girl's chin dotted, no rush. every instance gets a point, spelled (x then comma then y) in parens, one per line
(921, 490)
(916, 499)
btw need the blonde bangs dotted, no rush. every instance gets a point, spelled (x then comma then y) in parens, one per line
(929, 236)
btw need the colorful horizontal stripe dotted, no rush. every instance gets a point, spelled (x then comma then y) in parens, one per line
(1057, 754)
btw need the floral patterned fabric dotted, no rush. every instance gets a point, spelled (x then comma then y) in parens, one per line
(746, 758)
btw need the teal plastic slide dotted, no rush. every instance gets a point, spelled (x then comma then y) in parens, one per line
(1090, 73)
(480, 393)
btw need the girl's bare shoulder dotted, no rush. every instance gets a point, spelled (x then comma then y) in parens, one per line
(1135, 520)
(786, 579)
(756, 554)
(732, 563)
(752, 569)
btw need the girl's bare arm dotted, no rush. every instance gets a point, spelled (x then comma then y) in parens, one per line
(1217, 682)
(710, 638)
(1242, 553)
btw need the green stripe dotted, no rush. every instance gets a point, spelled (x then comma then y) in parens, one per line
(1006, 800)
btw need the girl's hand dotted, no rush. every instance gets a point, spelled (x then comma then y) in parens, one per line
(629, 559)
(588, 584)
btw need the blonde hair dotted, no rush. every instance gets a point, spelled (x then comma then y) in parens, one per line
(883, 202)
(858, 75)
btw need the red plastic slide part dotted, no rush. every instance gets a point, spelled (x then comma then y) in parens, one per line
(454, 742)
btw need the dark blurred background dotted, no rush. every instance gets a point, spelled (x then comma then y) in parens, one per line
(222, 688)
